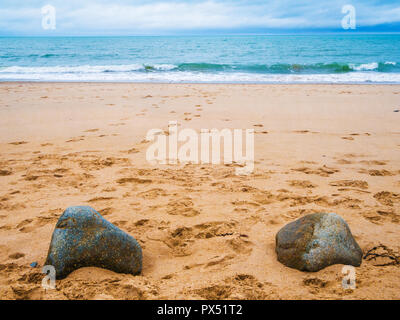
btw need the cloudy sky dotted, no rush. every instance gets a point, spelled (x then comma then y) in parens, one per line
(137, 17)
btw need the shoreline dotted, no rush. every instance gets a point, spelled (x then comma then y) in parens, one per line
(202, 83)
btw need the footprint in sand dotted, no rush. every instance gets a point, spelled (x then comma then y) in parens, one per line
(97, 199)
(322, 171)
(218, 261)
(124, 181)
(183, 207)
(387, 198)
(29, 225)
(109, 189)
(301, 184)
(374, 162)
(131, 151)
(77, 139)
(315, 284)
(152, 193)
(301, 131)
(5, 173)
(208, 230)
(245, 206)
(117, 124)
(16, 255)
(350, 183)
(377, 173)
(343, 161)
(352, 155)
(239, 287)
(177, 240)
(17, 143)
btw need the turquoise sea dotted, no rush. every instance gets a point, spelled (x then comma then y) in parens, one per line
(325, 58)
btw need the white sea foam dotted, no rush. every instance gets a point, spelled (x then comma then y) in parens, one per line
(85, 69)
(166, 73)
(365, 66)
(164, 67)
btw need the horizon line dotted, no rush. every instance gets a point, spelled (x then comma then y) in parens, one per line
(206, 34)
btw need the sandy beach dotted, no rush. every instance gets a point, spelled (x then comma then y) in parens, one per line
(206, 233)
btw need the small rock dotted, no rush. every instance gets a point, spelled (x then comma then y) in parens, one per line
(34, 264)
(316, 241)
(83, 238)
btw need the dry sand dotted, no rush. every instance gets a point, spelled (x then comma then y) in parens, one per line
(205, 232)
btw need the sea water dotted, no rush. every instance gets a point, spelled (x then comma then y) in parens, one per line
(323, 58)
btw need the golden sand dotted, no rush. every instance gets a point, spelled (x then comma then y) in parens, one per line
(205, 232)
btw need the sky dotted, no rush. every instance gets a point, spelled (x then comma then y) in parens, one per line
(160, 17)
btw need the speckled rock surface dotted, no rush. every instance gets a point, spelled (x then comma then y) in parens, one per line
(316, 241)
(83, 238)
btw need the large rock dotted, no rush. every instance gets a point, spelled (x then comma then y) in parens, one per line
(316, 241)
(83, 238)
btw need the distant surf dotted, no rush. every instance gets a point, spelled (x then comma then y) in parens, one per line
(236, 59)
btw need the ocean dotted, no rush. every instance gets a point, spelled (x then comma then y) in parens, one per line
(324, 58)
